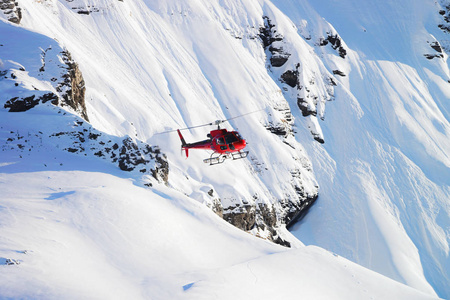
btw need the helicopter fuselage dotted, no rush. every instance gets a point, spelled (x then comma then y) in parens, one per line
(220, 141)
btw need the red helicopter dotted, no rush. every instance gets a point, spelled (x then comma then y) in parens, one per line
(224, 144)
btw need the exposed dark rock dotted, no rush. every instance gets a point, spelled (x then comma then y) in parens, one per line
(66, 79)
(161, 170)
(85, 9)
(217, 207)
(340, 73)
(72, 87)
(94, 136)
(431, 56)
(267, 214)
(444, 27)
(290, 78)
(278, 57)
(43, 56)
(243, 217)
(18, 104)
(294, 209)
(296, 215)
(215, 204)
(11, 10)
(303, 105)
(83, 139)
(11, 262)
(284, 127)
(318, 138)
(278, 240)
(266, 35)
(335, 41)
(261, 217)
(278, 130)
(445, 13)
(436, 46)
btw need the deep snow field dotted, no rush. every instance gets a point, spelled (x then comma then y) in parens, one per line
(366, 126)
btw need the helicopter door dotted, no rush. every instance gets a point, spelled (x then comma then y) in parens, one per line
(221, 142)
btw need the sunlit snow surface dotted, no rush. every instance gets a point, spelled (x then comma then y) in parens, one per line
(84, 234)
(80, 228)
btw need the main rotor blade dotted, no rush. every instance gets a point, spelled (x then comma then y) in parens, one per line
(209, 124)
(217, 122)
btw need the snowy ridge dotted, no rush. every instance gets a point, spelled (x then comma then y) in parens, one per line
(351, 97)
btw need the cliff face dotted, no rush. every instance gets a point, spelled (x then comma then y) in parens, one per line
(302, 77)
(72, 88)
(49, 82)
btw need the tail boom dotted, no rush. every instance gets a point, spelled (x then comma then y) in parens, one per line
(184, 145)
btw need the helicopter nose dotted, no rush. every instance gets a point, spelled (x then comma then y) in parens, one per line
(242, 144)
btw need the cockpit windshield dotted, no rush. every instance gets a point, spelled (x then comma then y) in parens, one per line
(230, 138)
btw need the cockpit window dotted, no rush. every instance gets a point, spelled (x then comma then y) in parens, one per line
(230, 138)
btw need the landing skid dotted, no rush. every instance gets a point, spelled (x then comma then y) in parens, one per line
(216, 159)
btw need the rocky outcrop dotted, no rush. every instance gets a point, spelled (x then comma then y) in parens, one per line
(50, 79)
(82, 8)
(243, 217)
(294, 78)
(445, 13)
(261, 219)
(11, 262)
(293, 210)
(81, 138)
(334, 40)
(283, 127)
(18, 104)
(268, 217)
(72, 87)
(444, 25)
(11, 10)
(438, 51)
(56, 69)
(268, 36)
(266, 220)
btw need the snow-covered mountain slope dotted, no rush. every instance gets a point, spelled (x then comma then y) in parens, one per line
(384, 173)
(149, 68)
(79, 233)
(356, 91)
